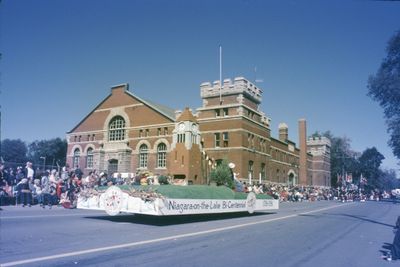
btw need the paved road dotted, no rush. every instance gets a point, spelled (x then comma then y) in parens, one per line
(299, 234)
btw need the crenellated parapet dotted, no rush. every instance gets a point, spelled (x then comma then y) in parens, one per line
(319, 141)
(240, 85)
(319, 145)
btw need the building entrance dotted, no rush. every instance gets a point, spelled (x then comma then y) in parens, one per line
(112, 166)
(291, 178)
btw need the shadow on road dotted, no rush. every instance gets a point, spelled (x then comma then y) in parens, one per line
(350, 216)
(346, 215)
(173, 220)
(364, 219)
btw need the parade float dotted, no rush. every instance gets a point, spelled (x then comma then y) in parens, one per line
(163, 200)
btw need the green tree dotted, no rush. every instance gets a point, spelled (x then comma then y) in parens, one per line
(370, 161)
(384, 87)
(388, 180)
(222, 175)
(14, 151)
(343, 158)
(54, 151)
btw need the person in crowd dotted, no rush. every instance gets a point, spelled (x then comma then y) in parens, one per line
(394, 253)
(37, 192)
(103, 179)
(11, 177)
(54, 200)
(46, 197)
(30, 173)
(395, 250)
(78, 172)
(70, 188)
(3, 177)
(26, 195)
(19, 175)
(64, 172)
(53, 176)
(3, 194)
(119, 180)
(60, 188)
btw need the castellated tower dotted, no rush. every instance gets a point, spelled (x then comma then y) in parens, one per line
(234, 128)
(320, 148)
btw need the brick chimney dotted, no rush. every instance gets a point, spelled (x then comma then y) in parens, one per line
(303, 152)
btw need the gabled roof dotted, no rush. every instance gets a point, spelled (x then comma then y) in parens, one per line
(167, 112)
(187, 116)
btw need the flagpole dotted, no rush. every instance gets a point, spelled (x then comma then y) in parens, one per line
(220, 75)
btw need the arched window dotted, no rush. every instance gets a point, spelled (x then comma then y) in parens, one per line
(143, 156)
(161, 156)
(77, 155)
(116, 129)
(89, 158)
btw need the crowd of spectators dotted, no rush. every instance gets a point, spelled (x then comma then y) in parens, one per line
(26, 187)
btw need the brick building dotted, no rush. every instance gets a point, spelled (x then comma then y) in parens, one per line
(125, 133)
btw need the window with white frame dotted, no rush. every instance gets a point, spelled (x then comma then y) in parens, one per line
(161, 156)
(77, 155)
(143, 156)
(217, 137)
(225, 136)
(89, 158)
(116, 129)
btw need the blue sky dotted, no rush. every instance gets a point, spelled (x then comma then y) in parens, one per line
(60, 59)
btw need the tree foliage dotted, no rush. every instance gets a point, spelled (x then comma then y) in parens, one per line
(343, 158)
(54, 150)
(368, 163)
(14, 151)
(384, 87)
(222, 175)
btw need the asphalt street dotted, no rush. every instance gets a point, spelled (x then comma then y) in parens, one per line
(324, 233)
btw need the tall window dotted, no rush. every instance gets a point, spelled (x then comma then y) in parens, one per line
(143, 156)
(217, 113)
(217, 139)
(225, 136)
(226, 112)
(251, 171)
(89, 158)
(263, 171)
(181, 138)
(77, 155)
(161, 155)
(116, 129)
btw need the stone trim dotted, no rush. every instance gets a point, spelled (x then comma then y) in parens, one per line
(161, 140)
(74, 148)
(117, 111)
